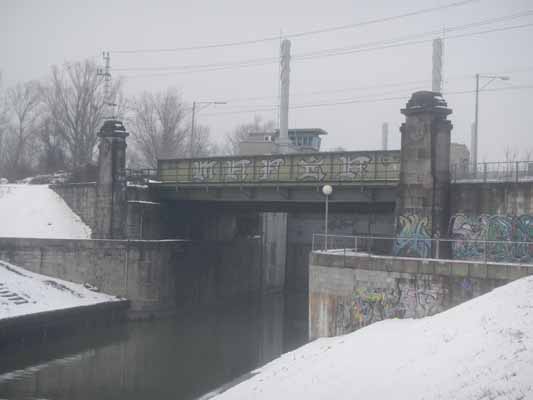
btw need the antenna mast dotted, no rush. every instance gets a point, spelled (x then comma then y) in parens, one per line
(109, 106)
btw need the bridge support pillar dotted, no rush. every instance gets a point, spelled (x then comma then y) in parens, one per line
(422, 208)
(111, 203)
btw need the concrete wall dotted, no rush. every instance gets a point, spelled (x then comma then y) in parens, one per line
(81, 198)
(492, 211)
(347, 293)
(302, 226)
(141, 271)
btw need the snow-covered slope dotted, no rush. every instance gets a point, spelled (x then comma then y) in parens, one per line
(36, 211)
(23, 292)
(482, 349)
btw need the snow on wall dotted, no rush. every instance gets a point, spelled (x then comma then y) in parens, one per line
(23, 292)
(36, 211)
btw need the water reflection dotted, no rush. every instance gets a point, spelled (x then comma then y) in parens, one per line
(179, 358)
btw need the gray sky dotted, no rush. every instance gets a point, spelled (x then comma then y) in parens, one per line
(35, 35)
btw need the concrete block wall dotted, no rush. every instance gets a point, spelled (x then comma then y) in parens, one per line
(347, 293)
(141, 271)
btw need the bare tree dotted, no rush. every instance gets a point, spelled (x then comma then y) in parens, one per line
(23, 109)
(158, 126)
(242, 131)
(75, 100)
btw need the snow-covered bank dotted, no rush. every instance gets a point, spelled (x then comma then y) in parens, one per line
(481, 349)
(23, 292)
(36, 211)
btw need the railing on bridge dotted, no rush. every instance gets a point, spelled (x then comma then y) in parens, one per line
(340, 167)
(518, 252)
(508, 171)
(140, 175)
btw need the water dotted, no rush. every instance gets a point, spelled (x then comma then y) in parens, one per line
(179, 358)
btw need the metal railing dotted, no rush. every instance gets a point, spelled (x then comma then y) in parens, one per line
(516, 252)
(506, 171)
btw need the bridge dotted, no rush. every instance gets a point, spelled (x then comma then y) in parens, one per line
(358, 176)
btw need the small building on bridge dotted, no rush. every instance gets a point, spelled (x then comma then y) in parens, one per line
(303, 140)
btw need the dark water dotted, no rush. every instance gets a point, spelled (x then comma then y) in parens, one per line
(179, 358)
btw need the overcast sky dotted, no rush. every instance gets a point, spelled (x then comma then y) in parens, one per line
(34, 35)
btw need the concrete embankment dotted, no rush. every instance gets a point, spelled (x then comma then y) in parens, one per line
(38, 327)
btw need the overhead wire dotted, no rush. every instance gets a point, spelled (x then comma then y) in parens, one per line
(298, 34)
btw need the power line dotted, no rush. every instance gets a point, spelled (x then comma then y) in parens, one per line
(303, 57)
(359, 100)
(300, 34)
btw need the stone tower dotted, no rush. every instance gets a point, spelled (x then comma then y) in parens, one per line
(111, 184)
(422, 208)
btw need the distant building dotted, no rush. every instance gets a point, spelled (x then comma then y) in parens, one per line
(459, 158)
(305, 140)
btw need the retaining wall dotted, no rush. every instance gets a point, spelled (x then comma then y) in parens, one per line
(347, 293)
(141, 271)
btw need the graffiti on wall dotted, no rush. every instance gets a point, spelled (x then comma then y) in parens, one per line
(414, 234)
(406, 298)
(484, 236)
(298, 167)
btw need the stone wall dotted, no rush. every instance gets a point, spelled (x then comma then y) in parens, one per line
(141, 271)
(347, 293)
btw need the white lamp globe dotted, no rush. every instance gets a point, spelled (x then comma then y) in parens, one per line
(327, 190)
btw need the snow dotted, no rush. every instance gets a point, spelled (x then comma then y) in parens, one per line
(36, 211)
(481, 349)
(23, 292)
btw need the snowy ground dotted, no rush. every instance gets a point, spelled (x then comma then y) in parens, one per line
(482, 349)
(36, 211)
(23, 292)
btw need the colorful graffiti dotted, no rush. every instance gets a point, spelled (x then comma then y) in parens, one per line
(406, 298)
(315, 167)
(414, 237)
(484, 237)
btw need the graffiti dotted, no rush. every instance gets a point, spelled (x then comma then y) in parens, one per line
(414, 238)
(236, 170)
(270, 169)
(406, 298)
(484, 237)
(353, 168)
(312, 169)
(203, 170)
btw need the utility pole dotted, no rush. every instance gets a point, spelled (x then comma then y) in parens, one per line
(476, 115)
(193, 121)
(436, 84)
(385, 136)
(285, 72)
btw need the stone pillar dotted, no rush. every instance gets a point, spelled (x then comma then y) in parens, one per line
(111, 185)
(422, 207)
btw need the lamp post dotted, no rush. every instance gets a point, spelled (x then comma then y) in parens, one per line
(194, 104)
(326, 190)
(476, 116)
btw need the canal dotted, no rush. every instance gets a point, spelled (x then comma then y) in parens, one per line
(182, 357)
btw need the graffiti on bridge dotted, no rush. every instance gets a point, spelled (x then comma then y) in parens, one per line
(318, 167)
(407, 298)
(472, 232)
(414, 236)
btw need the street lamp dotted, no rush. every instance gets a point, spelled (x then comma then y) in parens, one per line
(326, 190)
(194, 104)
(476, 122)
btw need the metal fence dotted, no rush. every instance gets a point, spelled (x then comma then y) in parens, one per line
(513, 171)
(441, 248)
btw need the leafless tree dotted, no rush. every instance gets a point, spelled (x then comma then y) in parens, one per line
(21, 114)
(157, 125)
(74, 97)
(241, 132)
